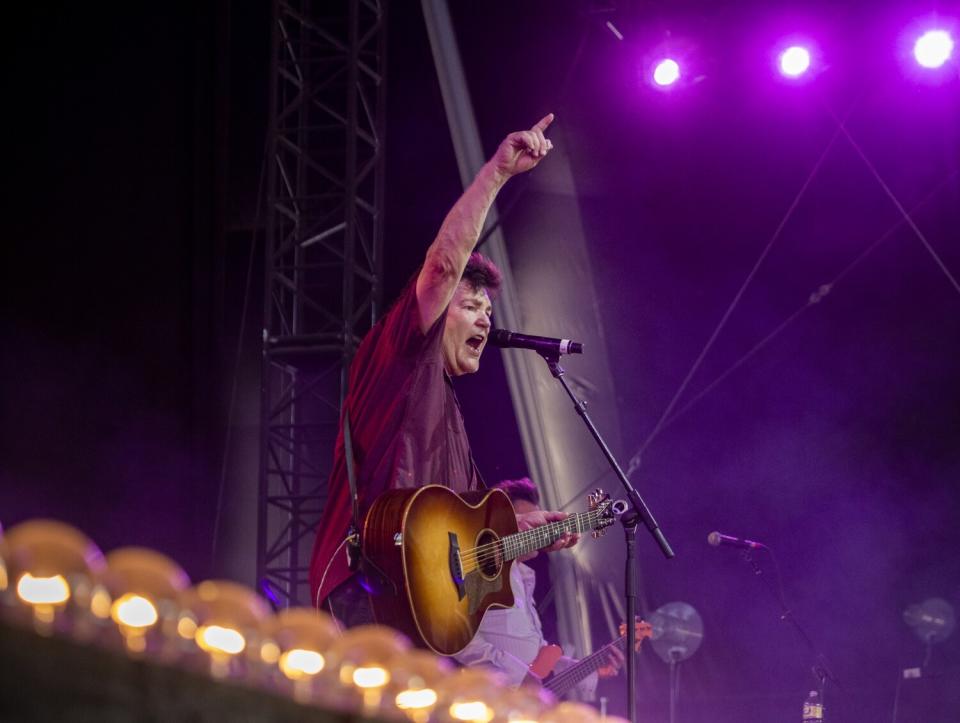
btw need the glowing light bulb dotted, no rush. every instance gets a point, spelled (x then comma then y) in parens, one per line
(666, 73)
(472, 710)
(794, 61)
(416, 699)
(134, 611)
(933, 48)
(218, 639)
(43, 590)
(299, 663)
(370, 677)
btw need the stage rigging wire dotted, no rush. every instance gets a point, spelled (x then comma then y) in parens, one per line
(896, 202)
(669, 417)
(231, 409)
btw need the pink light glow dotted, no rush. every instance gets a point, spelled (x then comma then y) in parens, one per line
(933, 48)
(794, 61)
(666, 73)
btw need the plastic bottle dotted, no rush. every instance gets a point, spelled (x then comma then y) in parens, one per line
(812, 708)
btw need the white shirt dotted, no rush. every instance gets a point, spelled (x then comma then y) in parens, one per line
(508, 639)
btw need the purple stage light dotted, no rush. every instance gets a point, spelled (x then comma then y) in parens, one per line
(794, 61)
(666, 73)
(933, 48)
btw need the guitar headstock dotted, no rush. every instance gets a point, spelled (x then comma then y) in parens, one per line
(643, 630)
(599, 501)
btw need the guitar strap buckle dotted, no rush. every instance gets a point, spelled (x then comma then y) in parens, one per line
(353, 548)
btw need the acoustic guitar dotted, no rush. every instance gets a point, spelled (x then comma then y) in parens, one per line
(563, 682)
(447, 561)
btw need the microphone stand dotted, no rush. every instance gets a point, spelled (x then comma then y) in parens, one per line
(820, 669)
(639, 512)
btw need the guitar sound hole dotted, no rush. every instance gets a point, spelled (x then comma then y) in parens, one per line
(490, 560)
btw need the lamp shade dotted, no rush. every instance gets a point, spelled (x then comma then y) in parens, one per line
(50, 563)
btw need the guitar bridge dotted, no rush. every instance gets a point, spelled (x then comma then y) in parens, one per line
(456, 565)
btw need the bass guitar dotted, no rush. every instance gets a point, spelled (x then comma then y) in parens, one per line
(447, 561)
(563, 682)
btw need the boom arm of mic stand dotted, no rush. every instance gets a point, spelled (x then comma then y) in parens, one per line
(553, 361)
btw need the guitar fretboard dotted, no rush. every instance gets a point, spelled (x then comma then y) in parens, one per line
(520, 543)
(562, 682)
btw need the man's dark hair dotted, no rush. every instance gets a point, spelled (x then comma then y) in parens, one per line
(520, 489)
(482, 273)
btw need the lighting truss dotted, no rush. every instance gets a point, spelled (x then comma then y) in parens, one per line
(323, 261)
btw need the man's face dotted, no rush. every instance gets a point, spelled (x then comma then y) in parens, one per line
(466, 329)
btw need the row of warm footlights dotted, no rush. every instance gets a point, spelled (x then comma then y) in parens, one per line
(55, 579)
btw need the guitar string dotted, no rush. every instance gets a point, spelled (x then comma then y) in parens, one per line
(542, 537)
(584, 667)
(592, 661)
(524, 536)
(501, 546)
(575, 673)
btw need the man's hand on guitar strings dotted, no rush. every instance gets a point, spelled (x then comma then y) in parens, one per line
(614, 663)
(536, 518)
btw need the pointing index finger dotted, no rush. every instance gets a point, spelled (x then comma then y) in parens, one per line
(544, 123)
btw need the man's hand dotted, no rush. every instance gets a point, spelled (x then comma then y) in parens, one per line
(521, 151)
(614, 663)
(536, 518)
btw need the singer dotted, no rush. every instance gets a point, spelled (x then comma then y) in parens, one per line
(405, 422)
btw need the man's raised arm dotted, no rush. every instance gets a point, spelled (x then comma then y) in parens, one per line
(448, 254)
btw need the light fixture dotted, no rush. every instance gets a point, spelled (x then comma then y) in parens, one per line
(666, 72)
(52, 568)
(933, 48)
(363, 656)
(794, 61)
(145, 587)
(227, 618)
(469, 695)
(298, 641)
(414, 676)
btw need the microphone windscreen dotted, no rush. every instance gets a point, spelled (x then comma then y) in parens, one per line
(714, 539)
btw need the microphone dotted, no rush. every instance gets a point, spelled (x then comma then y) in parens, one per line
(540, 344)
(716, 539)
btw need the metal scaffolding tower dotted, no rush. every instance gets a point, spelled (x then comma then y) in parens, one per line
(323, 261)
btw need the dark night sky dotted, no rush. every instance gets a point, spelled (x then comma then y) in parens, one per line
(134, 144)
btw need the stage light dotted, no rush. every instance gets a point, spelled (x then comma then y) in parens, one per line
(228, 619)
(413, 680)
(298, 641)
(469, 694)
(794, 61)
(146, 587)
(933, 48)
(666, 73)
(53, 567)
(364, 656)
(43, 591)
(134, 611)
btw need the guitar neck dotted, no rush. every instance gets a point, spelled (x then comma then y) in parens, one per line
(561, 683)
(522, 543)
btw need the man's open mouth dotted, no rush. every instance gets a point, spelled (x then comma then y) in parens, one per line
(475, 342)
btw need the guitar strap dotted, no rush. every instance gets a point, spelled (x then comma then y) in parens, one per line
(353, 535)
(374, 580)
